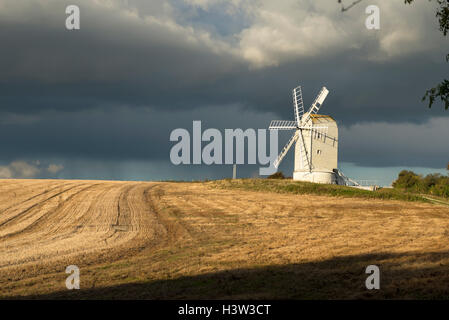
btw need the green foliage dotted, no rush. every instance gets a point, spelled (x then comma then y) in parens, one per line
(441, 188)
(406, 180)
(434, 184)
(442, 91)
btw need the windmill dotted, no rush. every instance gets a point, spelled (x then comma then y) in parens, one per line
(316, 138)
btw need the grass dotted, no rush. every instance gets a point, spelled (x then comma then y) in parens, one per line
(300, 187)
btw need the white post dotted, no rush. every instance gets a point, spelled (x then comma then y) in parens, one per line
(310, 151)
(234, 171)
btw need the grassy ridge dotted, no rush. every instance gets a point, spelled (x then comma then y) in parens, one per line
(300, 187)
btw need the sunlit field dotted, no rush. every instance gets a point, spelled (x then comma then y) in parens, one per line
(214, 240)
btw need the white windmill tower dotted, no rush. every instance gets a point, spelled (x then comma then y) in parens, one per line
(316, 137)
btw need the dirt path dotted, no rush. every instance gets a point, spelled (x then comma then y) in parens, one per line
(437, 201)
(190, 240)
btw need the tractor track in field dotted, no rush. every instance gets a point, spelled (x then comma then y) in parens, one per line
(30, 199)
(42, 218)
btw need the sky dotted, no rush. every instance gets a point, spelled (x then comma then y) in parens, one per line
(100, 102)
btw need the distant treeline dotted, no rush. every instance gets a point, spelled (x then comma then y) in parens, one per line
(435, 183)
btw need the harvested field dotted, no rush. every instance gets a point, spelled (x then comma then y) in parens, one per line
(162, 240)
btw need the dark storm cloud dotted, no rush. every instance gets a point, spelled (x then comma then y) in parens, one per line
(118, 133)
(116, 88)
(404, 144)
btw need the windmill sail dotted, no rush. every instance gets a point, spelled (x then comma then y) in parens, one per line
(304, 156)
(287, 147)
(316, 105)
(282, 125)
(298, 104)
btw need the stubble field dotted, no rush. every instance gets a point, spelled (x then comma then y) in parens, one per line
(166, 240)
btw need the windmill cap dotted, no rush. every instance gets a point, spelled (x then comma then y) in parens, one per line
(321, 118)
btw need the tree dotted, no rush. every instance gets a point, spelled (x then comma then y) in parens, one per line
(433, 183)
(407, 180)
(442, 89)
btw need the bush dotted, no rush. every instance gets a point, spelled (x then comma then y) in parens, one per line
(277, 175)
(441, 188)
(434, 183)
